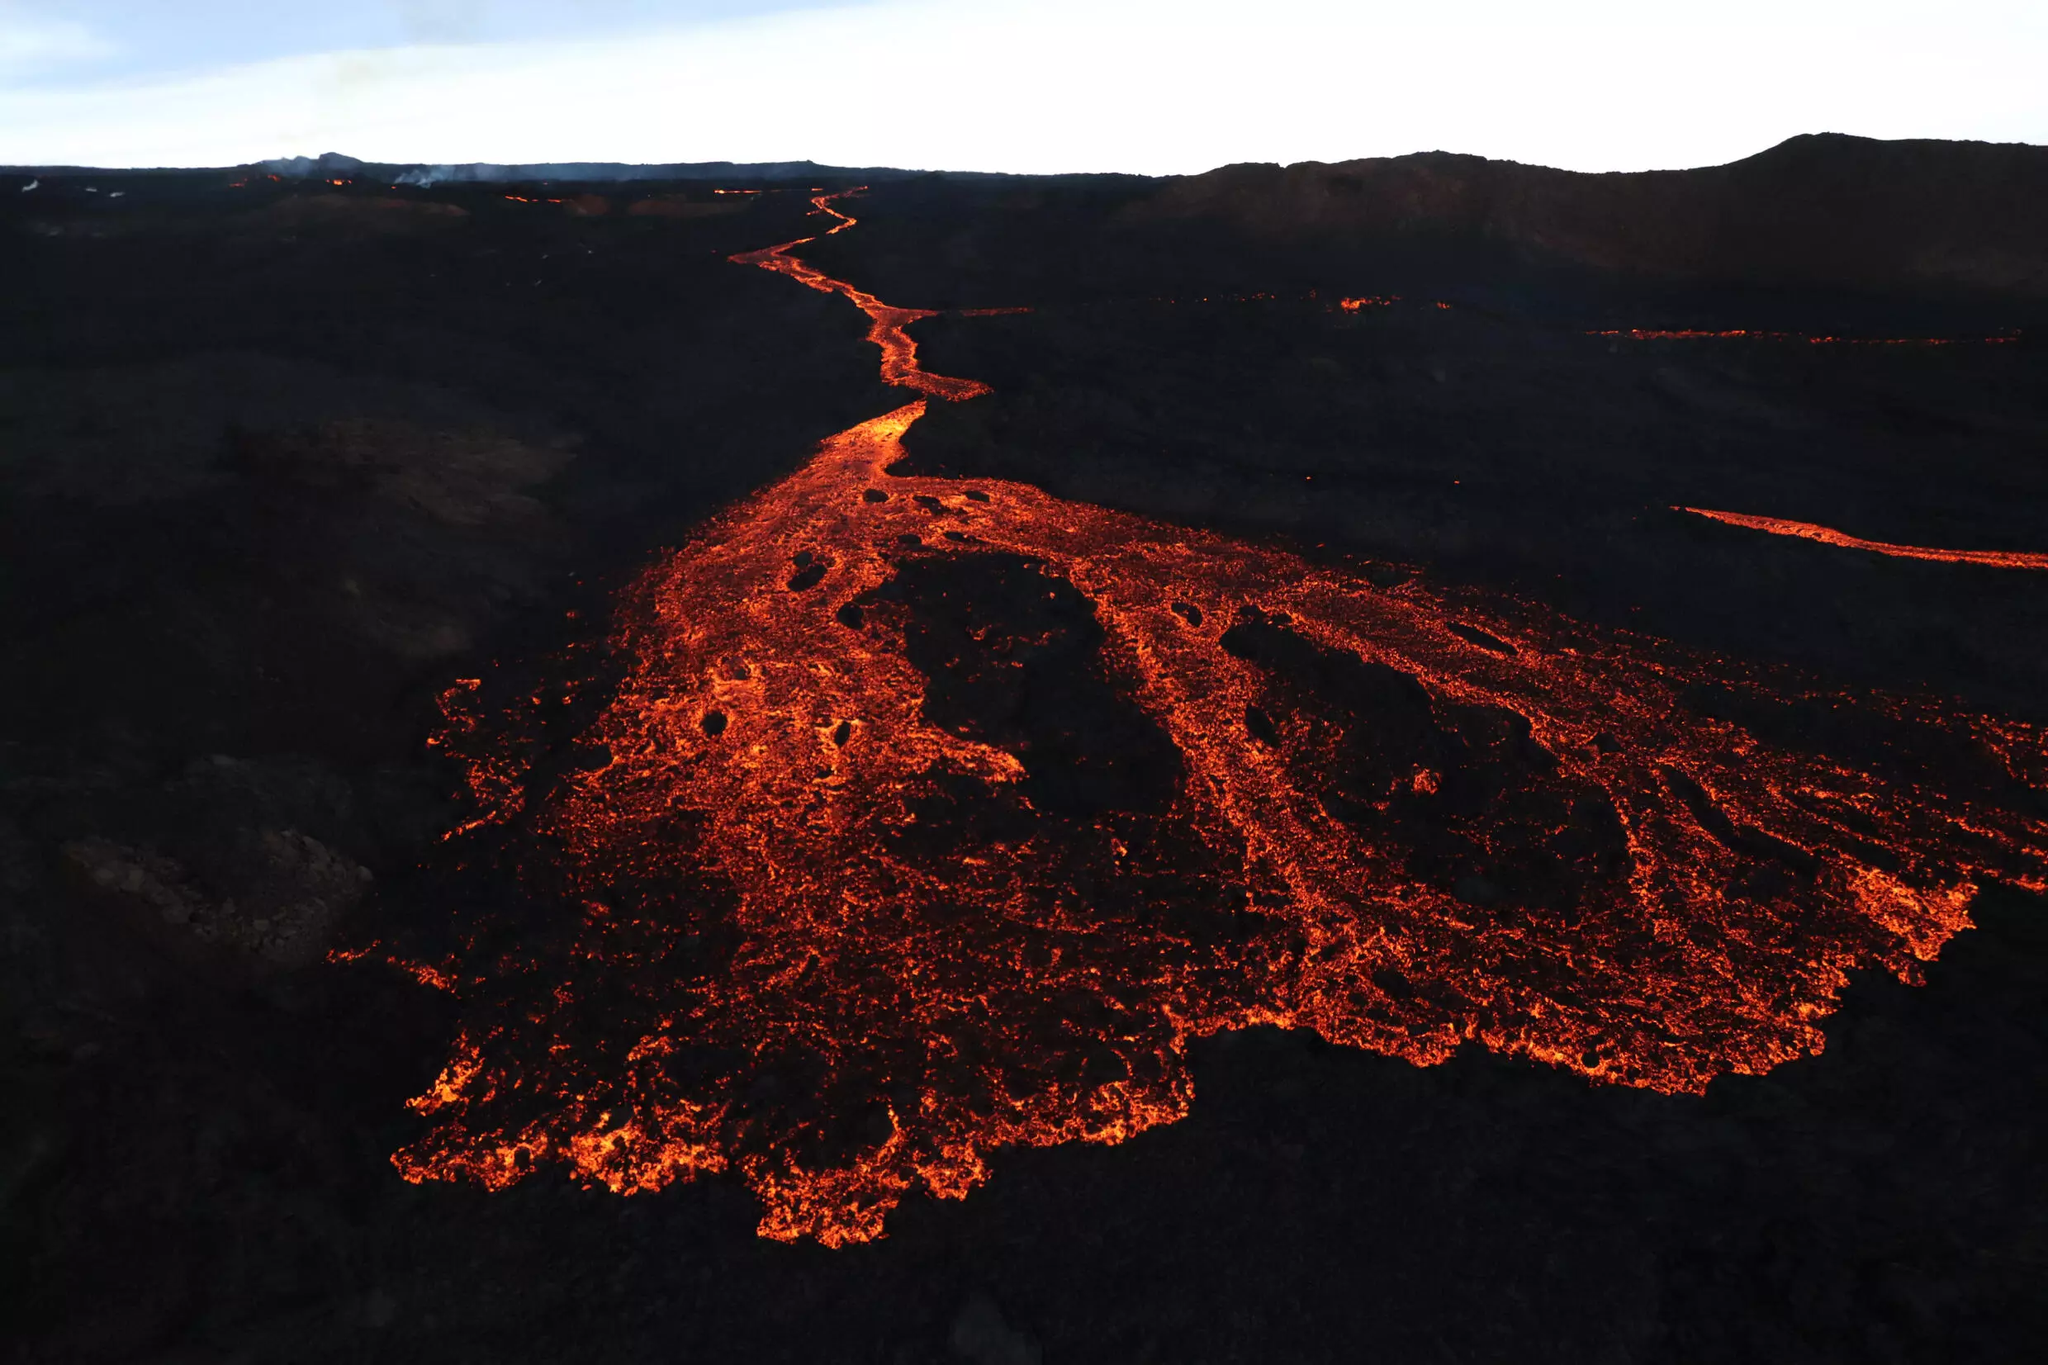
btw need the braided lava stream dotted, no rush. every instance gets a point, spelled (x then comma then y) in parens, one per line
(922, 816)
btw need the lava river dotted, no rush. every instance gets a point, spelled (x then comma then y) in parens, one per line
(922, 816)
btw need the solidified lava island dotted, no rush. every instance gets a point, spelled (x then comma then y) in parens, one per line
(923, 816)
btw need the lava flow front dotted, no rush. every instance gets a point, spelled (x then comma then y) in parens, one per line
(923, 816)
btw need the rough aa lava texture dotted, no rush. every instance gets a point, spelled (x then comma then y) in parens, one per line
(1419, 820)
(1302, 691)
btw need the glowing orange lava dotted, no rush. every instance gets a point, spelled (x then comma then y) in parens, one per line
(899, 352)
(798, 915)
(1806, 530)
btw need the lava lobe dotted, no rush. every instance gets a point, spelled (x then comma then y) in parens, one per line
(923, 818)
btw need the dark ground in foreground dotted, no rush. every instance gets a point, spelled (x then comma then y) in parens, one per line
(278, 468)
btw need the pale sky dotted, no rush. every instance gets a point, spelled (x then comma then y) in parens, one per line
(1153, 86)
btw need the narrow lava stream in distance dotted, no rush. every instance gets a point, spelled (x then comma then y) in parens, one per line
(792, 919)
(1827, 535)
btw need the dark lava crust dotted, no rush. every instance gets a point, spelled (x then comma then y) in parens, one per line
(277, 467)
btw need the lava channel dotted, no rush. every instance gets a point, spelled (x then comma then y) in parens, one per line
(1827, 535)
(923, 816)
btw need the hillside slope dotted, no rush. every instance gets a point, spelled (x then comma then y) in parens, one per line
(1817, 210)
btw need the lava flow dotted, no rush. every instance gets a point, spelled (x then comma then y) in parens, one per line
(924, 816)
(899, 352)
(1827, 535)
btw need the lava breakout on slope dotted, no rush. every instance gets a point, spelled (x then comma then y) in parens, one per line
(923, 816)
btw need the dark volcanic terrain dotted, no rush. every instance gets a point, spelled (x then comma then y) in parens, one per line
(280, 461)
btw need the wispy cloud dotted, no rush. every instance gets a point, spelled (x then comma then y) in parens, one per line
(33, 44)
(140, 39)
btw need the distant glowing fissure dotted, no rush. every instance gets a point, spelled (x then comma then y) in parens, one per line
(1404, 818)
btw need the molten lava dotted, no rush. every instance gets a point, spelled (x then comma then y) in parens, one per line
(899, 352)
(925, 816)
(1826, 535)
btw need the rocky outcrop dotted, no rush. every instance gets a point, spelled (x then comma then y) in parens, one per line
(294, 892)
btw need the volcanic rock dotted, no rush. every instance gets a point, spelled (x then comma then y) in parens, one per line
(981, 1336)
(356, 214)
(1826, 210)
(294, 892)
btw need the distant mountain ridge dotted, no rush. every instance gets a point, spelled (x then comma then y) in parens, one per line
(331, 164)
(1819, 209)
